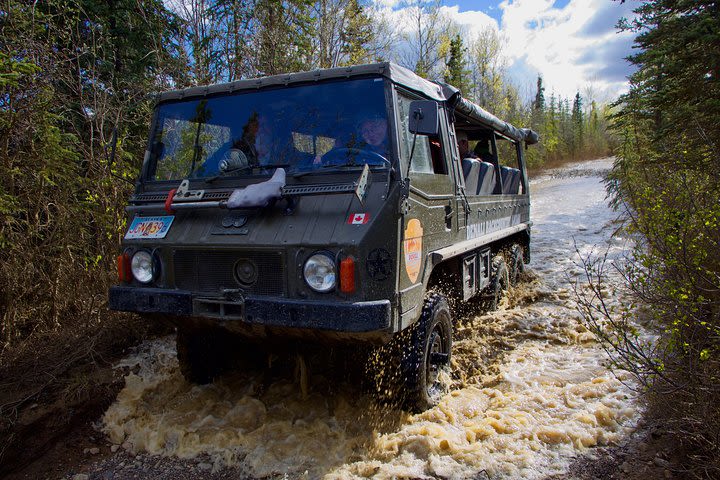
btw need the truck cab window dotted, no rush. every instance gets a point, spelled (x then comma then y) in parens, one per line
(305, 129)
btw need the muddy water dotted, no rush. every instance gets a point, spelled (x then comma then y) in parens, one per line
(529, 391)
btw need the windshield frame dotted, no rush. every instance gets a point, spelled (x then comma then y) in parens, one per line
(150, 162)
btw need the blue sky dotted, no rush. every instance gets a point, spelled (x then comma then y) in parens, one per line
(486, 6)
(572, 44)
(491, 7)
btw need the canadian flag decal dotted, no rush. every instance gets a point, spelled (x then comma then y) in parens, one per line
(358, 218)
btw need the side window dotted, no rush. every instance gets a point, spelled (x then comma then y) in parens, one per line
(427, 157)
(422, 158)
(428, 170)
(509, 161)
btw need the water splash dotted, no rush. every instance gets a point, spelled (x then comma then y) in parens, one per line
(529, 391)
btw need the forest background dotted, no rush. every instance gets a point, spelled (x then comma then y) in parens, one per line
(76, 75)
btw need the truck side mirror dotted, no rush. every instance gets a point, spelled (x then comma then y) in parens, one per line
(423, 117)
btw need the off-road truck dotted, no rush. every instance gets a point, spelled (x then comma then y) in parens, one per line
(324, 206)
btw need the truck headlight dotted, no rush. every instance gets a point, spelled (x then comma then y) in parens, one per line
(319, 272)
(142, 266)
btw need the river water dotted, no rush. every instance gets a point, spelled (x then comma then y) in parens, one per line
(529, 391)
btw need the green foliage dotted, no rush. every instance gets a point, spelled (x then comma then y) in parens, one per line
(357, 35)
(565, 134)
(284, 35)
(539, 102)
(456, 71)
(71, 73)
(668, 178)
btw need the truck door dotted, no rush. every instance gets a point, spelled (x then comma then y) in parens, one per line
(429, 219)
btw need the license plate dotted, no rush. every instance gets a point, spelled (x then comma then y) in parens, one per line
(149, 227)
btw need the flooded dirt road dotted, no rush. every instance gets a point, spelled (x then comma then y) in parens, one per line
(529, 390)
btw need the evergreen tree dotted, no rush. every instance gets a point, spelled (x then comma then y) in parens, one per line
(539, 102)
(283, 39)
(456, 72)
(577, 124)
(668, 173)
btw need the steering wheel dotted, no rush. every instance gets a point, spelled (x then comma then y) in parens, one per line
(249, 150)
(345, 154)
(233, 159)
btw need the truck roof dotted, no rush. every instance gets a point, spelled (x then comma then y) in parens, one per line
(397, 74)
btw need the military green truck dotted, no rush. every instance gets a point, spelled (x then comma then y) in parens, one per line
(330, 206)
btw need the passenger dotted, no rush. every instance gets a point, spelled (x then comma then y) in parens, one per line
(256, 139)
(252, 149)
(482, 151)
(464, 146)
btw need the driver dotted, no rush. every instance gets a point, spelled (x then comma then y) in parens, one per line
(369, 146)
(374, 133)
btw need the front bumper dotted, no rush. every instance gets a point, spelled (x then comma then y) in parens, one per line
(356, 317)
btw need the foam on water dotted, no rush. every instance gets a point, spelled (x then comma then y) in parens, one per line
(529, 391)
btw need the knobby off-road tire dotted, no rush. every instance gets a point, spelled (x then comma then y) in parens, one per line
(426, 350)
(198, 355)
(499, 281)
(517, 265)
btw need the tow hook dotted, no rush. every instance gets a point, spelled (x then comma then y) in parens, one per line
(234, 295)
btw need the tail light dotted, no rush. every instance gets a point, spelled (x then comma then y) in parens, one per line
(347, 275)
(123, 267)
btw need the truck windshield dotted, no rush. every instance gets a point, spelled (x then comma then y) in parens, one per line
(306, 129)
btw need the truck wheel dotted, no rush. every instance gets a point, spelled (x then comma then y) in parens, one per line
(498, 282)
(197, 355)
(517, 266)
(426, 353)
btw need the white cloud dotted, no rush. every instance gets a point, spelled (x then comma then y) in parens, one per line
(567, 46)
(472, 21)
(570, 47)
(387, 3)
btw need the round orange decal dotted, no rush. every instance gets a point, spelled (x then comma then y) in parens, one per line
(412, 248)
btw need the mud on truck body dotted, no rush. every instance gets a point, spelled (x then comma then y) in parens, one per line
(326, 206)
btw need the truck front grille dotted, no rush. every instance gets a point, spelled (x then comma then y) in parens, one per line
(212, 272)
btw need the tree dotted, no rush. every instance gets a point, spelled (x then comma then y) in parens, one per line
(539, 102)
(283, 37)
(90, 67)
(359, 35)
(235, 27)
(344, 33)
(488, 67)
(430, 27)
(577, 124)
(667, 174)
(456, 72)
(199, 36)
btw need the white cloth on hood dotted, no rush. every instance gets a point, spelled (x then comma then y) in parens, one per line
(259, 194)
